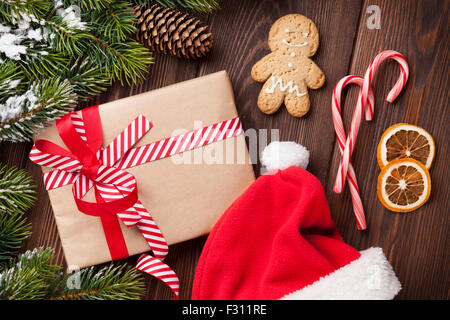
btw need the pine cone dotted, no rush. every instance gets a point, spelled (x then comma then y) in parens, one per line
(170, 31)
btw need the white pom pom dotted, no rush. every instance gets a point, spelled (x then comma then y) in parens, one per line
(283, 154)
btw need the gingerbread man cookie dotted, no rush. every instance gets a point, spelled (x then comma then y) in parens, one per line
(288, 71)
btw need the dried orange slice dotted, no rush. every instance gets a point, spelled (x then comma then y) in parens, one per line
(404, 185)
(406, 141)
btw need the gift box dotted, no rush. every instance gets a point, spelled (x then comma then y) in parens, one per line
(184, 193)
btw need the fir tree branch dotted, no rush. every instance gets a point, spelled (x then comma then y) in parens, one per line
(87, 78)
(28, 277)
(12, 80)
(109, 283)
(123, 61)
(91, 4)
(34, 277)
(39, 66)
(21, 284)
(17, 192)
(83, 52)
(9, 8)
(13, 230)
(115, 23)
(67, 40)
(22, 116)
(39, 259)
(206, 6)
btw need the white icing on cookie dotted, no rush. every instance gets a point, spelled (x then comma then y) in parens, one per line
(292, 54)
(294, 45)
(287, 30)
(290, 65)
(289, 85)
(305, 34)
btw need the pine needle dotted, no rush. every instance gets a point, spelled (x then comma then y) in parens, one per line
(17, 192)
(33, 277)
(13, 230)
(108, 283)
(60, 53)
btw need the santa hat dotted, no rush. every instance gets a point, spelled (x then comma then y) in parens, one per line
(278, 241)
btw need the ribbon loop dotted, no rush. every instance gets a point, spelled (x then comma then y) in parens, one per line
(90, 171)
(74, 142)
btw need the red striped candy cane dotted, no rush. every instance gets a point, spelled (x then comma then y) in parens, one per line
(341, 138)
(399, 85)
(362, 106)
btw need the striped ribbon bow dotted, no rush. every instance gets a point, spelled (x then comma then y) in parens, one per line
(87, 165)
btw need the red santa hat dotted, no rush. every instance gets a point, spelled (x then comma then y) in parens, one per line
(278, 241)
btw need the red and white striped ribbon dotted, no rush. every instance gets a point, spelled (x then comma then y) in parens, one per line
(365, 104)
(181, 143)
(126, 140)
(112, 183)
(137, 216)
(160, 270)
(78, 124)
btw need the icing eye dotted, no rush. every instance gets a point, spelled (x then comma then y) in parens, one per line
(305, 34)
(287, 30)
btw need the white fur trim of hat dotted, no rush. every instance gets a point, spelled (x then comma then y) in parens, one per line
(284, 154)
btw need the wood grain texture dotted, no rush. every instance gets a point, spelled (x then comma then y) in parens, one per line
(238, 49)
(415, 243)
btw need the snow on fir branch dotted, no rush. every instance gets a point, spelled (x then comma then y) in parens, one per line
(54, 54)
(83, 45)
(70, 15)
(23, 115)
(25, 279)
(17, 192)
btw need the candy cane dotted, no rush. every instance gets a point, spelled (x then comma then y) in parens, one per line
(341, 137)
(399, 85)
(362, 106)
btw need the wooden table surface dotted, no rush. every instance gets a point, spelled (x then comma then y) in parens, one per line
(415, 243)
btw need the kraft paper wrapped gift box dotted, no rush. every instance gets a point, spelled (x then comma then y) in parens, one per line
(184, 199)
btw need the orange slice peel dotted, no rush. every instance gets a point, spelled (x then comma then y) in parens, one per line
(405, 140)
(404, 185)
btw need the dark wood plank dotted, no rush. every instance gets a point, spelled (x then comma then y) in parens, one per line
(241, 29)
(416, 243)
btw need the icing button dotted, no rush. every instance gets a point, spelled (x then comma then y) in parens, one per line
(290, 64)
